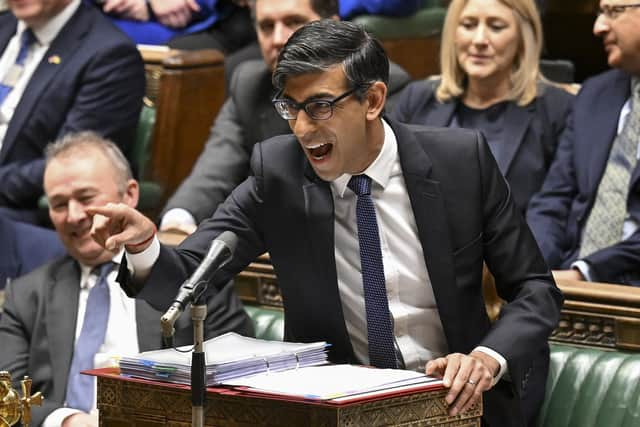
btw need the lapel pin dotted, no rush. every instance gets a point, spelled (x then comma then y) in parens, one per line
(54, 59)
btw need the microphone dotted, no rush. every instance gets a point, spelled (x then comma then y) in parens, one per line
(220, 253)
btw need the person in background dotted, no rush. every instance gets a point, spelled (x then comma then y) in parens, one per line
(24, 248)
(351, 8)
(377, 231)
(183, 24)
(63, 68)
(247, 115)
(491, 82)
(586, 216)
(70, 315)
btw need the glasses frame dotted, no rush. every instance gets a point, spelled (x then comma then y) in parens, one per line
(331, 103)
(614, 11)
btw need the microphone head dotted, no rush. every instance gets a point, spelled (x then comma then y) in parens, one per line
(229, 239)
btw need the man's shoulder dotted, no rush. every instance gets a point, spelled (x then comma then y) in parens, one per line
(435, 135)
(603, 81)
(39, 279)
(98, 30)
(250, 72)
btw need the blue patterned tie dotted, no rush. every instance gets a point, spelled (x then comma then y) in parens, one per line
(80, 388)
(379, 326)
(27, 38)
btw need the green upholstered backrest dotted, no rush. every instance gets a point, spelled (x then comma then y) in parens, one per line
(150, 192)
(268, 322)
(424, 23)
(588, 387)
(140, 152)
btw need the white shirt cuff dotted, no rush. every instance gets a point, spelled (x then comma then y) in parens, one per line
(584, 269)
(177, 216)
(55, 418)
(140, 264)
(499, 358)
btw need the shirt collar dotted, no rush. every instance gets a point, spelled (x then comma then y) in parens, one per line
(49, 31)
(380, 169)
(85, 270)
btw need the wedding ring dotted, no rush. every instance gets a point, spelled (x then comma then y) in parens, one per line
(472, 382)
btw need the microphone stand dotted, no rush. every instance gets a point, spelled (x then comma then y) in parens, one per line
(198, 364)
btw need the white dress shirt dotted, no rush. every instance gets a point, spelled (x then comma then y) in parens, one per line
(122, 333)
(44, 36)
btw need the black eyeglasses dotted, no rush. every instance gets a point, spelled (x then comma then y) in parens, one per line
(613, 11)
(317, 109)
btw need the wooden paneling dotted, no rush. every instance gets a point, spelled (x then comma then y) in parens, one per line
(419, 56)
(187, 88)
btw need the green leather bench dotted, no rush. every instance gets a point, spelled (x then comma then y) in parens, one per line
(586, 387)
(589, 387)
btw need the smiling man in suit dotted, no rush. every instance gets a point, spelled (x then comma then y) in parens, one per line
(586, 218)
(377, 231)
(63, 68)
(51, 313)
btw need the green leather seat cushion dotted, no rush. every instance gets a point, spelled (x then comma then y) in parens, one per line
(268, 322)
(588, 387)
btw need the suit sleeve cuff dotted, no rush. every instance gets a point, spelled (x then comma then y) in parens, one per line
(584, 269)
(499, 358)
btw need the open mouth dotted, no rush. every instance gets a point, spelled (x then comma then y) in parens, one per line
(319, 151)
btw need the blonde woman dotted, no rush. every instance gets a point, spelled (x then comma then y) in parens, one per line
(491, 82)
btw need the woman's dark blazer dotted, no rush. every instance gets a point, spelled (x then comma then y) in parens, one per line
(531, 132)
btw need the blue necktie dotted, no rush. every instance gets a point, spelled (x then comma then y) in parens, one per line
(80, 388)
(27, 38)
(379, 326)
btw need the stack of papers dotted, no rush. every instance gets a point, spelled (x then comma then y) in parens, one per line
(335, 383)
(227, 357)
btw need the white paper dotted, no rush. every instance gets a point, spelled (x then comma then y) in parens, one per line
(331, 381)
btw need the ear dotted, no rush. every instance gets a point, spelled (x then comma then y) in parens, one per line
(131, 194)
(376, 97)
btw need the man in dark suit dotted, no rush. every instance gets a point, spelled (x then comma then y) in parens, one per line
(45, 307)
(24, 248)
(72, 70)
(247, 115)
(408, 295)
(586, 216)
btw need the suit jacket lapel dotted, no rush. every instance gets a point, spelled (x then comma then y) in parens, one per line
(429, 211)
(62, 313)
(602, 131)
(516, 122)
(7, 30)
(64, 46)
(319, 212)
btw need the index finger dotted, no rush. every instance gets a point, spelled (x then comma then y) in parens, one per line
(109, 210)
(193, 5)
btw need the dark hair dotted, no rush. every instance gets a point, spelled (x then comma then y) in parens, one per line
(319, 45)
(324, 8)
